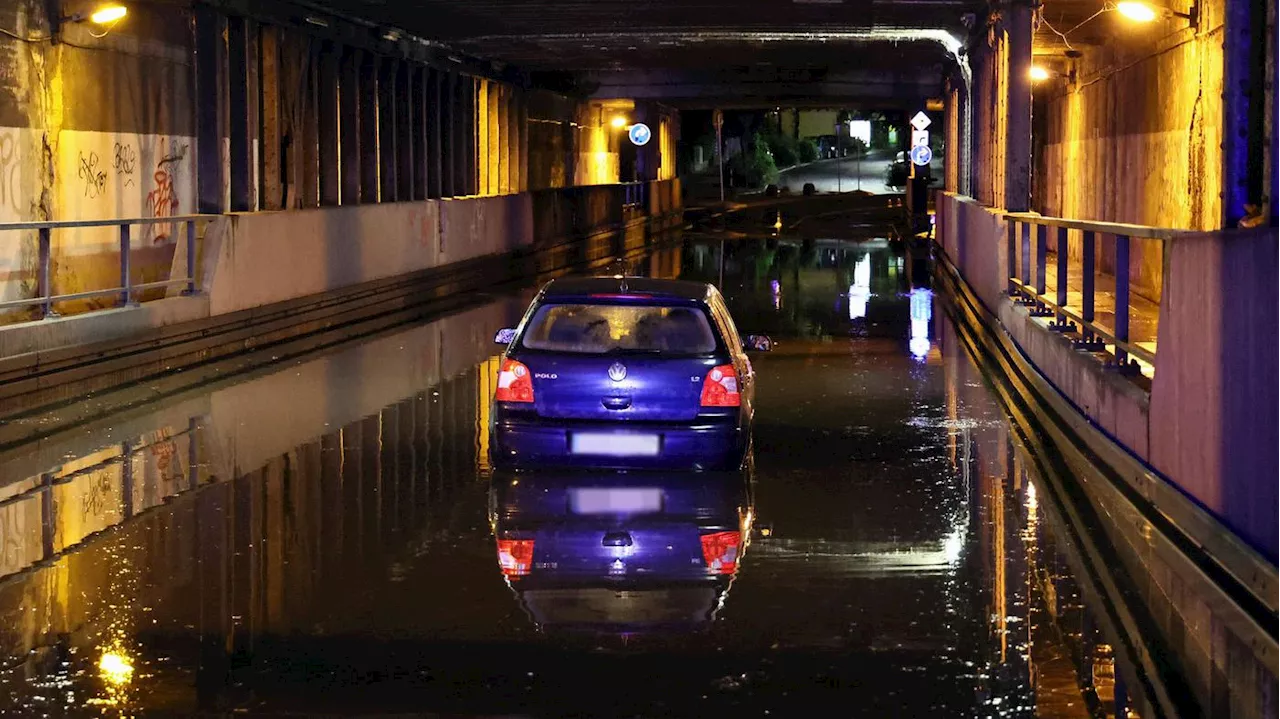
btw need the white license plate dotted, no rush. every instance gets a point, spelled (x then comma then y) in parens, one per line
(614, 445)
(622, 500)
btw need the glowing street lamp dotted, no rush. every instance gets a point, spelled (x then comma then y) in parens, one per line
(1139, 11)
(1136, 11)
(108, 14)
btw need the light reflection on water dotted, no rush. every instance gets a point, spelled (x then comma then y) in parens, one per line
(342, 497)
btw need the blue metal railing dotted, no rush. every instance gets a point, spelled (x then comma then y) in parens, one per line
(127, 290)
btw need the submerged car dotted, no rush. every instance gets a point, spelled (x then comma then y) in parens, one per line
(624, 373)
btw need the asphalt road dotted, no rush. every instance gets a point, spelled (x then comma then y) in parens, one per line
(846, 175)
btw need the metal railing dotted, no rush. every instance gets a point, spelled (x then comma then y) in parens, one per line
(127, 290)
(634, 194)
(1028, 243)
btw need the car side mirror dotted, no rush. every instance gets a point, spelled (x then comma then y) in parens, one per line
(757, 343)
(504, 336)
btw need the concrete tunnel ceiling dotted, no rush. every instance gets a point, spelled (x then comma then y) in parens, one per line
(802, 44)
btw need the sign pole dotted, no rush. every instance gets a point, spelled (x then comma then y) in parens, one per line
(719, 122)
(839, 160)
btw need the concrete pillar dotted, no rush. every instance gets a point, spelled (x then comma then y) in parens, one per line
(495, 138)
(388, 164)
(349, 127)
(421, 133)
(522, 150)
(406, 149)
(435, 134)
(1017, 188)
(504, 129)
(327, 87)
(307, 143)
(448, 84)
(243, 116)
(208, 92)
(482, 133)
(468, 178)
(272, 196)
(369, 166)
(570, 134)
(1246, 95)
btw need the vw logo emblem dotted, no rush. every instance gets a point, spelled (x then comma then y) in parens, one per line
(617, 372)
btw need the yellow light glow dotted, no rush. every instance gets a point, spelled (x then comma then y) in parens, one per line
(108, 14)
(1136, 11)
(618, 121)
(115, 668)
(1039, 74)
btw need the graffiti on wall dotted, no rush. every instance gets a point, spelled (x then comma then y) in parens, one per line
(94, 179)
(126, 160)
(9, 177)
(162, 201)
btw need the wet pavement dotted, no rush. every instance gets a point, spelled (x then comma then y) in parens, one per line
(318, 537)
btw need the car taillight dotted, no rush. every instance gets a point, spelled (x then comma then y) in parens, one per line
(720, 550)
(515, 384)
(515, 556)
(720, 388)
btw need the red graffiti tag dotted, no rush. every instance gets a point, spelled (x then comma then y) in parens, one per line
(163, 202)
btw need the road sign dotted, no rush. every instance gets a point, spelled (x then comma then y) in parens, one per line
(919, 137)
(921, 155)
(640, 134)
(921, 121)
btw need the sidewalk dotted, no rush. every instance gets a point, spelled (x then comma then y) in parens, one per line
(1144, 314)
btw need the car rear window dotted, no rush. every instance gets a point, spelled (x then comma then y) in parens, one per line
(600, 329)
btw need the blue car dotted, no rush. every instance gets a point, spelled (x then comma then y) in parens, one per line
(621, 552)
(624, 373)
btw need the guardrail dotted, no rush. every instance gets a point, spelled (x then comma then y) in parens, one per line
(126, 290)
(1030, 289)
(635, 194)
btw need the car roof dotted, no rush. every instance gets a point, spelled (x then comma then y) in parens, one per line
(577, 287)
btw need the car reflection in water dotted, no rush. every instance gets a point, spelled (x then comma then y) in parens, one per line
(621, 553)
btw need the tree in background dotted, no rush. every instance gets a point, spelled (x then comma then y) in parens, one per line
(755, 165)
(808, 150)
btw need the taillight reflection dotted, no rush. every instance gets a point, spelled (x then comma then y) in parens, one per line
(515, 384)
(720, 550)
(515, 556)
(720, 388)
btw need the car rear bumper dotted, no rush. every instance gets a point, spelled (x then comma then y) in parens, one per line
(544, 444)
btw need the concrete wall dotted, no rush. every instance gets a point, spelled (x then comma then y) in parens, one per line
(328, 248)
(1213, 418)
(1138, 138)
(254, 259)
(1208, 423)
(93, 128)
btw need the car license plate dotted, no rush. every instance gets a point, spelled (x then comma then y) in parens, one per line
(615, 445)
(620, 500)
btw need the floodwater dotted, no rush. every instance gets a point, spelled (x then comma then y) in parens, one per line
(317, 537)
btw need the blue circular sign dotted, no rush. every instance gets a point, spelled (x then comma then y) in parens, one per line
(921, 155)
(640, 134)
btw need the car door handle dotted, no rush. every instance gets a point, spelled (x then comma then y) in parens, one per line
(616, 402)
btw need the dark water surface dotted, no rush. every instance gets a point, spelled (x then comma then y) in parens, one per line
(317, 537)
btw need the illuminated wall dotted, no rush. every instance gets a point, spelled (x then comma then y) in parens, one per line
(1138, 138)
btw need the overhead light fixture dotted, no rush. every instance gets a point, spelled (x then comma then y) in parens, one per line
(1136, 11)
(1040, 73)
(108, 14)
(618, 121)
(103, 15)
(1144, 12)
